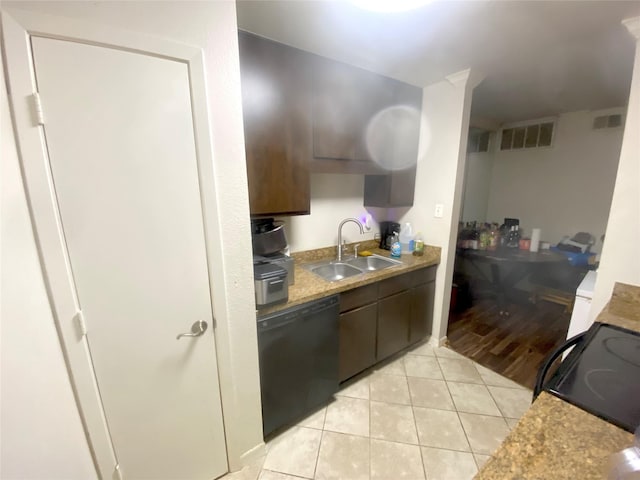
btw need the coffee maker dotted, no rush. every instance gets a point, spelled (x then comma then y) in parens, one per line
(387, 231)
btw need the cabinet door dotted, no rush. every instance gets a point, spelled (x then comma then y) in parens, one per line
(396, 187)
(394, 314)
(357, 340)
(422, 311)
(276, 102)
(345, 99)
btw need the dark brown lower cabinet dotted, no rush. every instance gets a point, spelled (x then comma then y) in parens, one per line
(422, 298)
(394, 314)
(357, 340)
(383, 318)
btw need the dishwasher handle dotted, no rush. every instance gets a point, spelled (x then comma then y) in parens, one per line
(271, 323)
(265, 325)
(293, 314)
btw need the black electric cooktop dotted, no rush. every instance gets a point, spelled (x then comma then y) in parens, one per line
(602, 375)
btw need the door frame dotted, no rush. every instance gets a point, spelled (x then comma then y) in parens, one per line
(17, 28)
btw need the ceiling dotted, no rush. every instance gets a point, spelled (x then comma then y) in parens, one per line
(539, 58)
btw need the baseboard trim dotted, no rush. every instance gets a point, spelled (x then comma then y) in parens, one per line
(253, 457)
(434, 342)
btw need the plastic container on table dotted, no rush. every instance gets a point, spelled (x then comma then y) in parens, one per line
(576, 259)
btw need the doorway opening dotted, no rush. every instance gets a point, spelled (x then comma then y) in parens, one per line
(531, 228)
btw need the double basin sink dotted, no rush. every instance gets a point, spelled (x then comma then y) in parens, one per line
(332, 270)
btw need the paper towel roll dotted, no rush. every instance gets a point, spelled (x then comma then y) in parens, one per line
(535, 240)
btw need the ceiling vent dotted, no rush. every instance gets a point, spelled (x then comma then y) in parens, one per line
(607, 121)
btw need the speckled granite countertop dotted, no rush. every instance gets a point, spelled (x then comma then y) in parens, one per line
(309, 286)
(557, 440)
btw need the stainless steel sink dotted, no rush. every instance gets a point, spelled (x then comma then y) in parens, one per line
(373, 263)
(333, 271)
(336, 271)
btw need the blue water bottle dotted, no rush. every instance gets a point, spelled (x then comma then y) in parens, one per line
(396, 249)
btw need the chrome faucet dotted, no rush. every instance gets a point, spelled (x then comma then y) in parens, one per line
(354, 220)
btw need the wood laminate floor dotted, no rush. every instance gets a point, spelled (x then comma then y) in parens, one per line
(513, 346)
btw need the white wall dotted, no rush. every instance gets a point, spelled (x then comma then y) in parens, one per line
(477, 185)
(212, 26)
(563, 189)
(439, 178)
(334, 197)
(620, 261)
(40, 427)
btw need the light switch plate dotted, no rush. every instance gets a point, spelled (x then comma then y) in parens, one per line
(439, 211)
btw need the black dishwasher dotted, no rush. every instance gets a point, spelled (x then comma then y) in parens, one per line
(298, 350)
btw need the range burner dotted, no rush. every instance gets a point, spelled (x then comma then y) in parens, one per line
(625, 348)
(602, 375)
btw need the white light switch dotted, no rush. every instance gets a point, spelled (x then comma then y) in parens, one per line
(439, 210)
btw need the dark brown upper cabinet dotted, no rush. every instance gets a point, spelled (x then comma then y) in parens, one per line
(391, 189)
(276, 103)
(304, 113)
(396, 187)
(366, 123)
(346, 99)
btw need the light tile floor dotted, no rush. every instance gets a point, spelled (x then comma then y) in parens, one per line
(427, 414)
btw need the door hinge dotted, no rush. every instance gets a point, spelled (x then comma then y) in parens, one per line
(117, 473)
(38, 115)
(81, 326)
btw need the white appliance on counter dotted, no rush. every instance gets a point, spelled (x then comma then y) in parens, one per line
(584, 294)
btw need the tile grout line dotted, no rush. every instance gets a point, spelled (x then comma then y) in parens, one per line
(280, 473)
(324, 421)
(410, 444)
(415, 427)
(466, 436)
(501, 415)
(504, 416)
(484, 383)
(500, 409)
(315, 468)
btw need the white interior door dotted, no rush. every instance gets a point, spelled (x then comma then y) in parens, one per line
(120, 139)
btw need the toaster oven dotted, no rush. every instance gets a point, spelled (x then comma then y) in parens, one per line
(271, 285)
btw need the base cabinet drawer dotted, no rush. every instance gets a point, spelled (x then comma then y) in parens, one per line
(357, 340)
(396, 284)
(358, 297)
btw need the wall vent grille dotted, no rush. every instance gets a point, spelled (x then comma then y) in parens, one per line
(479, 141)
(607, 121)
(531, 135)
